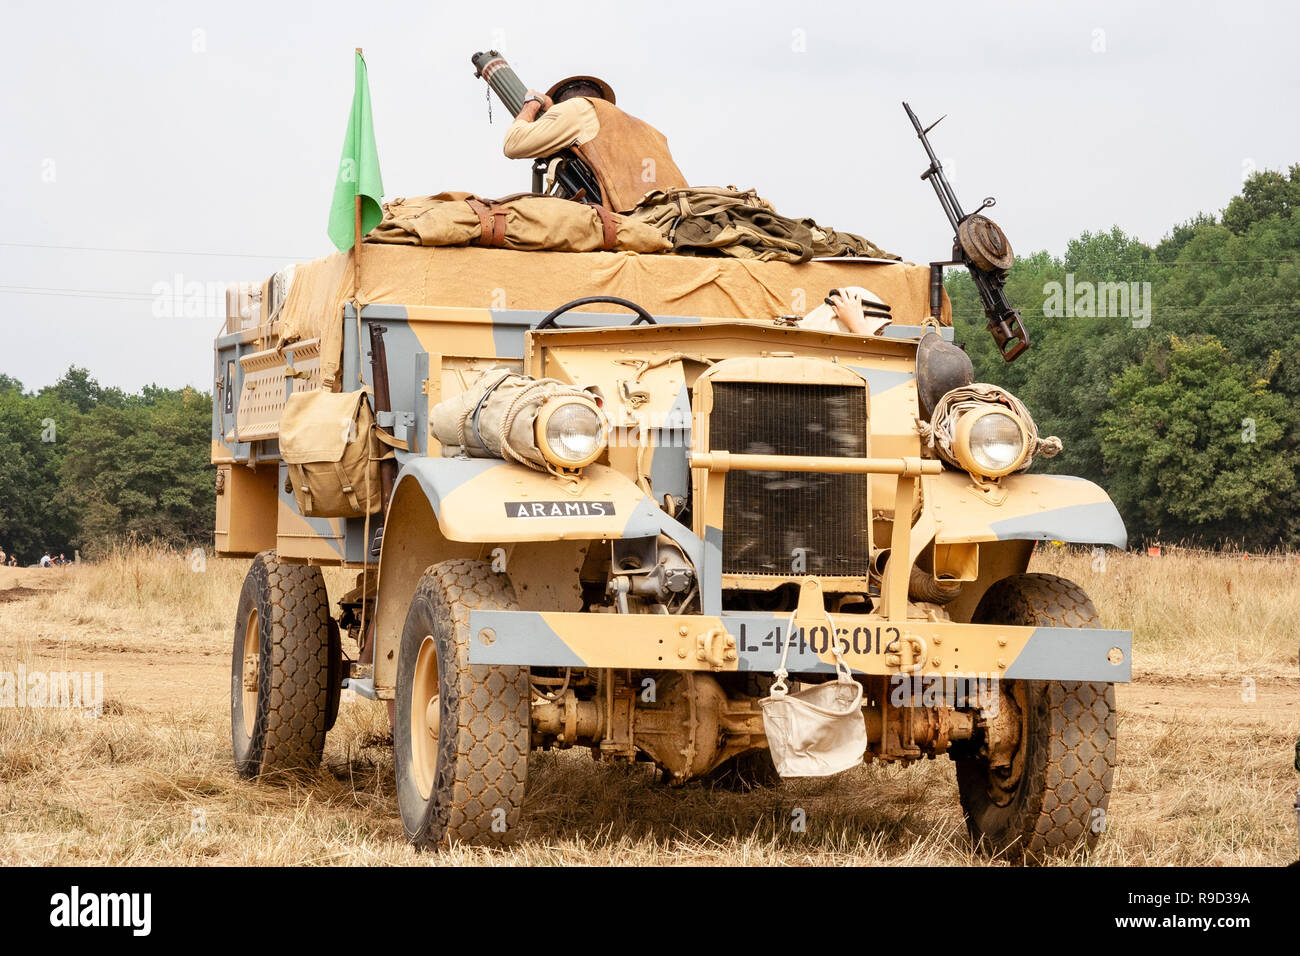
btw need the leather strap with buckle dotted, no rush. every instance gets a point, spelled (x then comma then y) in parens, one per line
(610, 224)
(491, 221)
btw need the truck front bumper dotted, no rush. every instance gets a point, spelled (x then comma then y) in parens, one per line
(752, 641)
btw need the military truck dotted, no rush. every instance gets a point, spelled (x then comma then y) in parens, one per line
(714, 485)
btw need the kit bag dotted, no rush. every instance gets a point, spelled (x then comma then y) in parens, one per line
(332, 448)
(817, 731)
(713, 220)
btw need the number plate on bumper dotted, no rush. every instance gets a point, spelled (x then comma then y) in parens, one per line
(745, 641)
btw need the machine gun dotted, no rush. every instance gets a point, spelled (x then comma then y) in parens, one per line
(982, 247)
(572, 176)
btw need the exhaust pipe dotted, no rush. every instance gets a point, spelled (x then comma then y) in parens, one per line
(921, 585)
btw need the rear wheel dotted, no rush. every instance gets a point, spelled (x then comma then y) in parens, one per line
(1047, 787)
(280, 668)
(461, 732)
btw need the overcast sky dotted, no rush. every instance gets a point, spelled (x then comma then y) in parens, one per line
(216, 128)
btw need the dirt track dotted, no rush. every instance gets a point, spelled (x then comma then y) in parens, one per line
(149, 675)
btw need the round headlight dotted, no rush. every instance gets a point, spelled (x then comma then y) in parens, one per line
(570, 432)
(991, 442)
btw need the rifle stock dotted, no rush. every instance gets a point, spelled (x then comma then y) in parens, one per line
(383, 403)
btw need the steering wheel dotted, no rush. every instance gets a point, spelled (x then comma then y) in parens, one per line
(641, 314)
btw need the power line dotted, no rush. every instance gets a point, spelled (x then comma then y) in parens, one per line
(112, 295)
(156, 252)
(1229, 312)
(1159, 264)
(1221, 262)
(1269, 308)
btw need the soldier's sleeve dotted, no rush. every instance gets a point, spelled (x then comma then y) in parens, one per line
(565, 124)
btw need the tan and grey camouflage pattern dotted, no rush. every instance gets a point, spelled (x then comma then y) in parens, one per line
(664, 642)
(646, 376)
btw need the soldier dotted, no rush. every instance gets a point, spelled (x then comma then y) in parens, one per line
(628, 157)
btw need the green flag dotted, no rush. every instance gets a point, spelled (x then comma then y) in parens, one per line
(358, 169)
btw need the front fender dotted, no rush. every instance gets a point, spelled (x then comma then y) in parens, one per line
(489, 500)
(445, 508)
(1031, 508)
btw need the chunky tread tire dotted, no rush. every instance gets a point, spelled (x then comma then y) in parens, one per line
(335, 676)
(1070, 750)
(484, 731)
(292, 710)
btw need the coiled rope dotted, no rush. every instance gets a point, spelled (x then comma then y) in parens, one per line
(530, 396)
(938, 433)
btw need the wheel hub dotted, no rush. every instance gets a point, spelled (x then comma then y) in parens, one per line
(426, 718)
(431, 713)
(1004, 734)
(252, 667)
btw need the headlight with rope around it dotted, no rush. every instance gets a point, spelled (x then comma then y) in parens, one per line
(571, 432)
(990, 441)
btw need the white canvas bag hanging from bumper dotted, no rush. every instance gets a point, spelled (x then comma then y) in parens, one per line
(818, 731)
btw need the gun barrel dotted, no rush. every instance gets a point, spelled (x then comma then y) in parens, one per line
(1004, 322)
(492, 68)
(574, 178)
(920, 134)
(947, 198)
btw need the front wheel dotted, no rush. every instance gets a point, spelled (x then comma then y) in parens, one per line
(1046, 788)
(461, 732)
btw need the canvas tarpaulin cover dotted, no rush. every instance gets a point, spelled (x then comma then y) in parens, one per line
(666, 285)
(533, 223)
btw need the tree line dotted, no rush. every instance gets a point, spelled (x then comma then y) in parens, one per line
(1184, 406)
(1170, 372)
(83, 466)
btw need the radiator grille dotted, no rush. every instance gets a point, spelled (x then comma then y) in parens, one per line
(768, 514)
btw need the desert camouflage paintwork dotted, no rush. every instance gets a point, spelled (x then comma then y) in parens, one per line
(647, 377)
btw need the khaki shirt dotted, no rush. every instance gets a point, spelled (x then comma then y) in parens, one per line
(566, 124)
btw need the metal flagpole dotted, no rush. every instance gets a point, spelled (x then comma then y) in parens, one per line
(356, 304)
(356, 234)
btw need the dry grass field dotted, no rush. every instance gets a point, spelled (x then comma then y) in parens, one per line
(1206, 733)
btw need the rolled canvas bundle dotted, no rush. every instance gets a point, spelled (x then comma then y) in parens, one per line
(496, 417)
